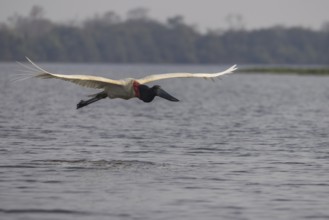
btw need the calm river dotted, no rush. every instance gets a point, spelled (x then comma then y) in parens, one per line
(250, 146)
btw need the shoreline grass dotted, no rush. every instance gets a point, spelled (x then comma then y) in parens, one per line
(287, 70)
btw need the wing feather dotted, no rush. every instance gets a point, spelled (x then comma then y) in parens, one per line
(95, 82)
(152, 78)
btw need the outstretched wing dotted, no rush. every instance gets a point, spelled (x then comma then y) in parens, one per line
(95, 82)
(152, 78)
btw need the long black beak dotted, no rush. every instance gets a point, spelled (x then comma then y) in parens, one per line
(163, 94)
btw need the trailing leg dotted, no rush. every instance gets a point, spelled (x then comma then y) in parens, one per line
(98, 97)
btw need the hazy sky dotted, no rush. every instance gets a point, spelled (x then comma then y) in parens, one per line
(204, 13)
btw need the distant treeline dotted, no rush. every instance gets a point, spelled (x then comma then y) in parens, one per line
(139, 39)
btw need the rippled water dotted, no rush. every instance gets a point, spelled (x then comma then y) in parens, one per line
(247, 147)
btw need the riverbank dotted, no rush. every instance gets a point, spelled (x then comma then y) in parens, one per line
(287, 70)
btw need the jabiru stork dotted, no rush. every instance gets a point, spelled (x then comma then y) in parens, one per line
(123, 88)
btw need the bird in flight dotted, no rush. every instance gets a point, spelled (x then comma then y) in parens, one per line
(123, 88)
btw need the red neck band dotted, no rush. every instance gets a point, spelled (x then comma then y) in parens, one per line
(136, 89)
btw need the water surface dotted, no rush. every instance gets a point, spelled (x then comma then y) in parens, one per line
(247, 147)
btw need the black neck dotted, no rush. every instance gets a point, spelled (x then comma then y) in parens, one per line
(146, 93)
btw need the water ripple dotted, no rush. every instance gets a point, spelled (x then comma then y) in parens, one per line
(43, 211)
(94, 164)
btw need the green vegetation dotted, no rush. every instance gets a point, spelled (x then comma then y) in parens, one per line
(139, 39)
(287, 70)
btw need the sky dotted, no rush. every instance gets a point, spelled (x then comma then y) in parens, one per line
(205, 14)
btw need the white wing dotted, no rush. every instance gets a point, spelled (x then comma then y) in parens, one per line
(152, 78)
(95, 82)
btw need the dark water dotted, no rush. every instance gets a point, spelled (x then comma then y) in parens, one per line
(247, 147)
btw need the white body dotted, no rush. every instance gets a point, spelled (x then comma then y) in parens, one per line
(123, 91)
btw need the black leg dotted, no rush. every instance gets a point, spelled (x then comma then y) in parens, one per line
(83, 103)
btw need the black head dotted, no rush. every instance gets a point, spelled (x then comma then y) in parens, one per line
(147, 94)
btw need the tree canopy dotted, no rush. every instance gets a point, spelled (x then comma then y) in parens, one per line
(140, 39)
